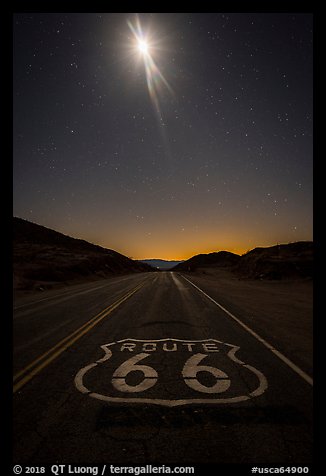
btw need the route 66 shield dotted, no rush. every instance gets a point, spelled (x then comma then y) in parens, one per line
(170, 372)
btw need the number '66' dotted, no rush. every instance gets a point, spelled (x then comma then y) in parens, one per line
(150, 376)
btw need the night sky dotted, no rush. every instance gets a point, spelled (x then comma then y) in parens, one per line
(201, 143)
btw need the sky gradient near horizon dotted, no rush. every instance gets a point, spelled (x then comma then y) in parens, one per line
(202, 144)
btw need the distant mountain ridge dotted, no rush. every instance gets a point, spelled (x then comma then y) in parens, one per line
(43, 257)
(161, 263)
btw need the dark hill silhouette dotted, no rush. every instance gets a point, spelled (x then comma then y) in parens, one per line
(284, 261)
(43, 257)
(221, 259)
(292, 260)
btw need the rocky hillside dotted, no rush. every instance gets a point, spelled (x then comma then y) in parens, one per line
(292, 260)
(284, 261)
(43, 257)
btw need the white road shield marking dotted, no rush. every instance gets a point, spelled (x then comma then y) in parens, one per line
(150, 371)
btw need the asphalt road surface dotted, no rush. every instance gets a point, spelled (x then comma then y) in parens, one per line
(146, 368)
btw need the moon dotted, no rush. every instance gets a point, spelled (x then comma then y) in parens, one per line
(143, 47)
(143, 44)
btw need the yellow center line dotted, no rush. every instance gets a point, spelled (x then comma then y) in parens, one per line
(68, 341)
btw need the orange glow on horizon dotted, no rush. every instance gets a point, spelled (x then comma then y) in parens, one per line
(181, 243)
(179, 256)
(184, 257)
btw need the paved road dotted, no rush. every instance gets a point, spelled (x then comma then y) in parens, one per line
(145, 368)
